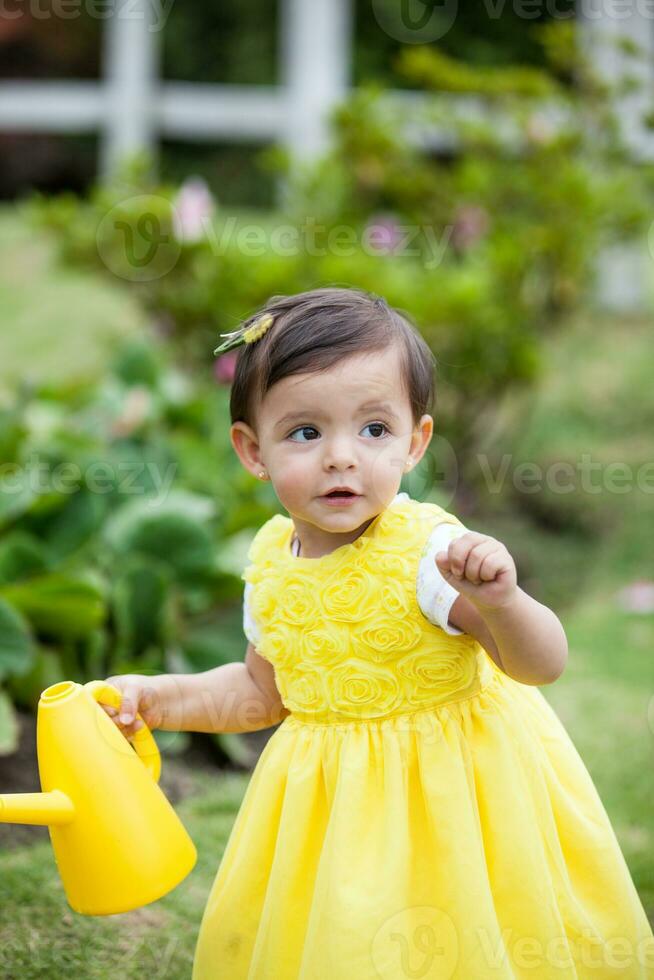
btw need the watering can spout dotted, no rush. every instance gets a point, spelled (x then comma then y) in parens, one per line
(43, 809)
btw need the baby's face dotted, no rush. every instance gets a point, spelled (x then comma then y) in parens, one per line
(349, 426)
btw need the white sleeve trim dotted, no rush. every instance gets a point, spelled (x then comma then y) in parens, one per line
(250, 628)
(435, 595)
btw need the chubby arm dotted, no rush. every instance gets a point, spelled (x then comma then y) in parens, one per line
(524, 637)
(235, 697)
(263, 675)
(540, 659)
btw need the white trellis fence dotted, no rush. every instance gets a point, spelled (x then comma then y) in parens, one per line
(131, 107)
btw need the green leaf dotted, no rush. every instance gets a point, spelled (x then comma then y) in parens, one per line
(16, 644)
(140, 598)
(197, 506)
(58, 604)
(137, 363)
(166, 532)
(17, 497)
(12, 434)
(234, 748)
(8, 726)
(216, 643)
(94, 653)
(21, 556)
(46, 669)
(172, 743)
(76, 523)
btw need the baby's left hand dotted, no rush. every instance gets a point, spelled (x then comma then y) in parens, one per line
(481, 568)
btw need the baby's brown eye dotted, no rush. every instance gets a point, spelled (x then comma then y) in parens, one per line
(303, 428)
(376, 425)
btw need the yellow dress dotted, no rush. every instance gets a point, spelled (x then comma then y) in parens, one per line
(419, 813)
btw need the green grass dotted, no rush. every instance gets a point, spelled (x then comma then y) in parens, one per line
(576, 550)
(55, 323)
(605, 700)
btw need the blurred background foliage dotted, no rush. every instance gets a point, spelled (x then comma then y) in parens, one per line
(219, 43)
(488, 246)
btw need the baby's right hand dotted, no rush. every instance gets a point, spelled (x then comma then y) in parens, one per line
(141, 694)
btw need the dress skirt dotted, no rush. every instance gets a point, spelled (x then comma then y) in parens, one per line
(466, 841)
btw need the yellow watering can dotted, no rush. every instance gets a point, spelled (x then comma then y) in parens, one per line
(117, 841)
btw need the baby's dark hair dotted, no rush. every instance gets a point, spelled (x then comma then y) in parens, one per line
(314, 330)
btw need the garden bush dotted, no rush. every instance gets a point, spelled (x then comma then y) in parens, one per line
(124, 519)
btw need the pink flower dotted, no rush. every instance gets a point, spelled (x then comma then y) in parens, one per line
(193, 208)
(471, 222)
(224, 367)
(637, 597)
(383, 234)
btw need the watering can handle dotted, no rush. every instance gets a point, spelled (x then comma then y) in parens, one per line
(142, 740)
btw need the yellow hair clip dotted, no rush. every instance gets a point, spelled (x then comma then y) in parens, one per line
(247, 335)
